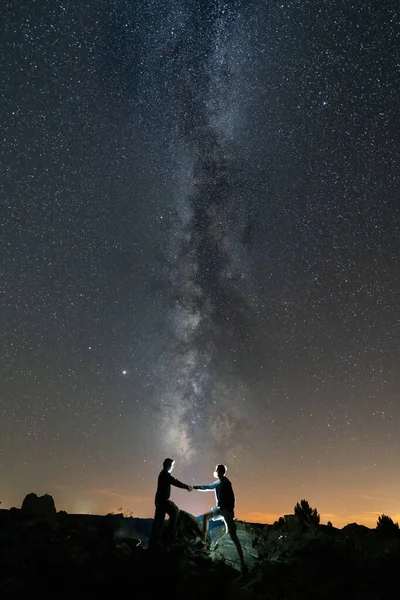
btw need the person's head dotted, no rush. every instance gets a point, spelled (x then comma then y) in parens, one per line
(220, 471)
(168, 464)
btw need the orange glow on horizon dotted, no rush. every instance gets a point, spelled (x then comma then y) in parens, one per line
(254, 504)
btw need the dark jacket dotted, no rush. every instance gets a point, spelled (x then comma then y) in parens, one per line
(165, 480)
(224, 496)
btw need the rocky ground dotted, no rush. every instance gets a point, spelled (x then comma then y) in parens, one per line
(59, 554)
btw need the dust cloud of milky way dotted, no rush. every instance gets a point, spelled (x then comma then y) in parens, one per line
(205, 400)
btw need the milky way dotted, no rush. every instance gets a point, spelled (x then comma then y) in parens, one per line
(204, 398)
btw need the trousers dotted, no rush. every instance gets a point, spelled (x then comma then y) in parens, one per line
(170, 508)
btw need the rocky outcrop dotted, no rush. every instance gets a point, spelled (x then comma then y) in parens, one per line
(105, 555)
(225, 550)
(189, 530)
(40, 507)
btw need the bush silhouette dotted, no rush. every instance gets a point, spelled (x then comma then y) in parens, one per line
(386, 525)
(280, 523)
(306, 514)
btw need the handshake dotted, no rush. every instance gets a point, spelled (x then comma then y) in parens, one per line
(189, 488)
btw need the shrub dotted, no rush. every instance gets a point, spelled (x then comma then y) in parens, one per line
(279, 523)
(125, 512)
(306, 514)
(386, 525)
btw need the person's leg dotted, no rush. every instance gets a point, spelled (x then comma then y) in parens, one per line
(230, 524)
(206, 520)
(158, 521)
(172, 511)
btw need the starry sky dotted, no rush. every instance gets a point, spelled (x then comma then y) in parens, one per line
(200, 253)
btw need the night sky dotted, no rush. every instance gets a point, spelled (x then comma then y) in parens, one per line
(200, 227)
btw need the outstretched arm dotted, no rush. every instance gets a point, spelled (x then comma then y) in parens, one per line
(206, 488)
(178, 483)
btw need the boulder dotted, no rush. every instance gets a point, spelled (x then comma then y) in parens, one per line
(39, 508)
(225, 550)
(188, 531)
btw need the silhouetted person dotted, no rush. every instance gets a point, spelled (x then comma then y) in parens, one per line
(164, 505)
(224, 509)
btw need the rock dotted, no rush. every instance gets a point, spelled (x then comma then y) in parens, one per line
(225, 550)
(188, 531)
(123, 549)
(38, 506)
(37, 509)
(132, 543)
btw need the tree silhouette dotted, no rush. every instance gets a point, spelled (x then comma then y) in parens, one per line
(306, 514)
(386, 525)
